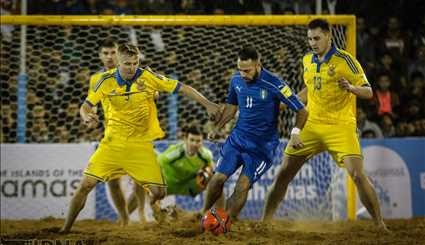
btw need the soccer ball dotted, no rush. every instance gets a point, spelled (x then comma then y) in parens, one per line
(216, 221)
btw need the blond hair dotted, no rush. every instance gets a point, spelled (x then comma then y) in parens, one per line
(128, 49)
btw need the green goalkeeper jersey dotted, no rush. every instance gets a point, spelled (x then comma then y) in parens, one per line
(180, 170)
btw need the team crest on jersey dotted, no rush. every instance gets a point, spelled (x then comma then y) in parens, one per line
(331, 70)
(117, 91)
(263, 94)
(113, 92)
(140, 85)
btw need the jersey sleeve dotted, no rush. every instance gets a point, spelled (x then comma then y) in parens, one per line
(304, 66)
(169, 155)
(287, 96)
(232, 97)
(354, 72)
(97, 92)
(161, 83)
(93, 79)
(207, 155)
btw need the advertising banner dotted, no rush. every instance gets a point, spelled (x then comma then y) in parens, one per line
(38, 180)
(397, 169)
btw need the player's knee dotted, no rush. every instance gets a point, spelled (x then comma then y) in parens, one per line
(158, 193)
(217, 180)
(87, 186)
(114, 183)
(162, 192)
(243, 188)
(357, 177)
(282, 176)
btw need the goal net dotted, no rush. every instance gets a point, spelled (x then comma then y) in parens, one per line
(45, 69)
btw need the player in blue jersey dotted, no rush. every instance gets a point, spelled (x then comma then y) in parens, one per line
(253, 142)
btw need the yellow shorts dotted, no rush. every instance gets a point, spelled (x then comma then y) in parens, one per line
(339, 140)
(113, 159)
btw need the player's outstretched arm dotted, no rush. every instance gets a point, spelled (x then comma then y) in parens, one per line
(228, 112)
(301, 118)
(212, 108)
(88, 115)
(362, 92)
(302, 95)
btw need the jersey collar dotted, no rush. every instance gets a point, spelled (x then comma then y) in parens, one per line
(121, 80)
(328, 55)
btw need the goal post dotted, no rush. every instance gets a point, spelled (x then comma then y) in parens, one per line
(208, 33)
(194, 20)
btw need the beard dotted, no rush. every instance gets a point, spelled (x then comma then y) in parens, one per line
(256, 75)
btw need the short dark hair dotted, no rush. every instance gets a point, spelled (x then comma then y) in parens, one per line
(193, 128)
(319, 23)
(248, 52)
(108, 43)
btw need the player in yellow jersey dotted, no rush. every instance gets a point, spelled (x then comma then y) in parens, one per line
(333, 79)
(108, 57)
(127, 147)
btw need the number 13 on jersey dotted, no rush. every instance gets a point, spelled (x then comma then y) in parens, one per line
(317, 83)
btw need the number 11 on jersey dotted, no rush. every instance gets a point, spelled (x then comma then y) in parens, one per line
(248, 102)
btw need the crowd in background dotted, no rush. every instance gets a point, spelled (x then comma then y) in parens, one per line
(390, 47)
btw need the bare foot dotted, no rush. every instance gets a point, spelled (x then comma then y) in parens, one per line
(142, 219)
(123, 222)
(172, 212)
(196, 216)
(63, 231)
(159, 214)
(383, 228)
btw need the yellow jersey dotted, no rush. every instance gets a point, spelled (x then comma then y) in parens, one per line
(93, 80)
(132, 113)
(326, 102)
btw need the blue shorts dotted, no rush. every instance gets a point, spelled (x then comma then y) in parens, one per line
(256, 156)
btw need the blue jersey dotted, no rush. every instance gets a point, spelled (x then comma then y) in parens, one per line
(258, 103)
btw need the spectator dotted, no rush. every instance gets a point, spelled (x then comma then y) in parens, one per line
(271, 7)
(366, 46)
(395, 39)
(163, 7)
(418, 36)
(414, 111)
(416, 88)
(62, 134)
(418, 63)
(6, 8)
(387, 125)
(368, 134)
(394, 70)
(8, 123)
(37, 131)
(123, 7)
(367, 127)
(388, 100)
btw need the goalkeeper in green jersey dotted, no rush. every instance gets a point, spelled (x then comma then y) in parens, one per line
(186, 166)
